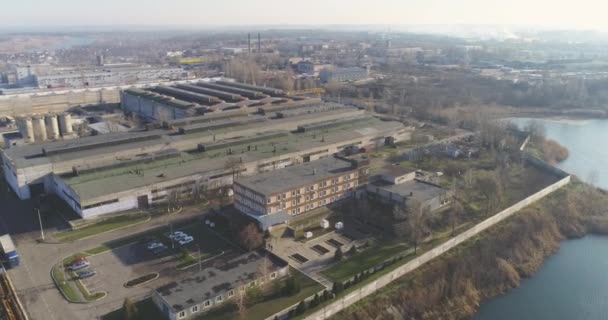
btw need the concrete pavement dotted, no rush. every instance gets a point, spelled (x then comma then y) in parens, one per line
(31, 278)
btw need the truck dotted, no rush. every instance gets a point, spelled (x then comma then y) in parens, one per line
(10, 257)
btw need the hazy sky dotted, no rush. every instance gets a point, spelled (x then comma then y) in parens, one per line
(590, 14)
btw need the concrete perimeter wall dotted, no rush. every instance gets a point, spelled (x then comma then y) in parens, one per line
(344, 302)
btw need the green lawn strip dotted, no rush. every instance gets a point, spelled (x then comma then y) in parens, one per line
(103, 226)
(185, 260)
(265, 309)
(88, 296)
(63, 285)
(364, 260)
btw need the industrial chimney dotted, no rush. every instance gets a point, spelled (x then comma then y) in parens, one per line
(259, 43)
(249, 42)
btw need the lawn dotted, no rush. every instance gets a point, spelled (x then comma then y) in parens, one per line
(267, 308)
(103, 226)
(64, 285)
(365, 260)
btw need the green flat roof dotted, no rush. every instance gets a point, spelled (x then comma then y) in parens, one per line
(97, 183)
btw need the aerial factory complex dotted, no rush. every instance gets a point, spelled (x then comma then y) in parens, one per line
(257, 128)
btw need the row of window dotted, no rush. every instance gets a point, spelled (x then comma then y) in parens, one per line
(313, 187)
(99, 204)
(219, 299)
(311, 206)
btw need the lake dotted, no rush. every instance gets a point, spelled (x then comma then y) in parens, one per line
(572, 284)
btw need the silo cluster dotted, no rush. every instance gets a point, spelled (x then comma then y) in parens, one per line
(38, 128)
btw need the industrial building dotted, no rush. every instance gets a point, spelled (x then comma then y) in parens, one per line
(162, 103)
(108, 76)
(30, 101)
(343, 74)
(398, 185)
(217, 286)
(273, 197)
(125, 170)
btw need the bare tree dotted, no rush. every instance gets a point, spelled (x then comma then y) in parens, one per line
(417, 221)
(198, 191)
(172, 200)
(492, 189)
(264, 270)
(250, 237)
(241, 303)
(454, 214)
(235, 166)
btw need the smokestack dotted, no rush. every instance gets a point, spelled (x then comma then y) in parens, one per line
(249, 42)
(259, 43)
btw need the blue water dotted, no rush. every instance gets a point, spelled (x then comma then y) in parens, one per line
(573, 284)
(587, 141)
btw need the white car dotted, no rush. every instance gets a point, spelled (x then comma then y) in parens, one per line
(153, 245)
(177, 235)
(79, 265)
(185, 240)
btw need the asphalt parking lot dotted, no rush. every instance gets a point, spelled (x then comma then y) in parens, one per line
(116, 267)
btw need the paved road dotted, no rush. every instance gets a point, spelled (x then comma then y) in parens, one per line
(32, 280)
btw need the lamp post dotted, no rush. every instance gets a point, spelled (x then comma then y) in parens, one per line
(40, 221)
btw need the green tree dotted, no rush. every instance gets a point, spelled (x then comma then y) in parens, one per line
(301, 308)
(292, 286)
(339, 254)
(338, 287)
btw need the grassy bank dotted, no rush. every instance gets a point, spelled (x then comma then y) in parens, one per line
(101, 227)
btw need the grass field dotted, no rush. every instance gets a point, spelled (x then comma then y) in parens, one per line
(365, 260)
(103, 226)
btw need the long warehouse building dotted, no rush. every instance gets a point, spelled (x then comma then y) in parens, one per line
(164, 103)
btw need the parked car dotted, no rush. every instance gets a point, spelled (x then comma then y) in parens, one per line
(154, 244)
(86, 274)
(177, 234)
(186, 240)
(79, 265)
(77, 260)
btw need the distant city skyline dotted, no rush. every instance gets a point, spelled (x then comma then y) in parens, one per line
(582, 14)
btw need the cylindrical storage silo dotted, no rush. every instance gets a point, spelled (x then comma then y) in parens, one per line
(39, 128)
(52, 126)
(65, 123)
(27, 129)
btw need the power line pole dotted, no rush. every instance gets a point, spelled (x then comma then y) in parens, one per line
(171, 235)
(200, 266)
(40, 221)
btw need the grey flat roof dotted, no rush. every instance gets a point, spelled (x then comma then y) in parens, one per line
(396, 170)
(419, 190)
(292, 177)
(201, 286)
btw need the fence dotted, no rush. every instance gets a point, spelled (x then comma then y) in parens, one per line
(346, 301)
